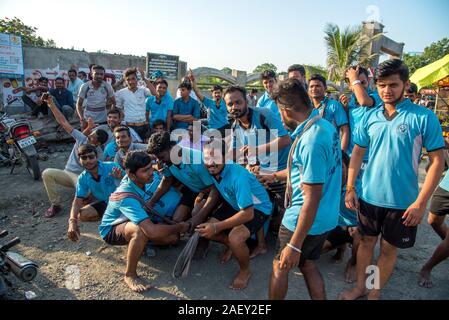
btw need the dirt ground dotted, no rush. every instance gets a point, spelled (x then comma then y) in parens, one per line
(23, 201)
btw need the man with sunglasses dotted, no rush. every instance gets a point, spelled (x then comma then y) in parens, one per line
(69, 176)
(99, 179)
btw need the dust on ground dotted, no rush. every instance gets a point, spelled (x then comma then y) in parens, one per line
(23, 202)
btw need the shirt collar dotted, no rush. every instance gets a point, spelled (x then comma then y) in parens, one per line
(299, 128)
(131, 186)
(404, 104)
(223, 173)
(100, 171)
(250, 118)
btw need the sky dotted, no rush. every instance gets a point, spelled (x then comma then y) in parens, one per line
(239, 34)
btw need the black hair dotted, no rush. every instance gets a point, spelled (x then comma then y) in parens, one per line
(59, 78)
(290, 90)
(83, 73)
(130, 71)
(392, 67)
(413, 88)
(254, 90)
(318, 77)
(232, 89)
(135, 160)
(297, 67)
(122, 128)
(268, 74)
(97, 67)
(72, 70)
(159, 142)
(162, 81)
(114, 111)
(43, 79)
(102, 136)
(159, 122)
(86, 149)
(217, 87)
(186, 85)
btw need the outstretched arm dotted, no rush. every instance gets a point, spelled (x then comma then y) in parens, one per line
(60, 118)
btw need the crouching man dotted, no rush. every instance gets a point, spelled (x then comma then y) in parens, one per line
(244, 210)
(125, 222)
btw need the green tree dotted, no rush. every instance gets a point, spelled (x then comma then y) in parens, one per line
(28, 33)
(432, 53)
(346, 48)
(265, 66)
(227, 70)
(314, 69)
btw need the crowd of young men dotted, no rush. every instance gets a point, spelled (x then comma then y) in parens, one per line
(321, 173)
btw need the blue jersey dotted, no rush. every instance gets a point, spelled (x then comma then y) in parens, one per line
(242, 190)
(180, 107)
(159, 111)
(265, 101)
(218, 116)
(333, 111)
(316, 160)
(102, 188)
(395, 143)
(168, 203)
(128, 209)
(347, 218)
(191, 172)
(110, 151)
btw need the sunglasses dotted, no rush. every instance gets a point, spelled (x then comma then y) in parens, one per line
(90, 157)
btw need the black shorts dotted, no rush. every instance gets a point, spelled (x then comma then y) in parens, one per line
(439, 205)
(339, 236)
(225, 211)
(311, 248)
(116, 236)
(100, 207)
(188, 197)
(375, 220)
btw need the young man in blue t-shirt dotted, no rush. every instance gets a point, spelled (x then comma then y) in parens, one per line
(329, 109)
(244, 210)
(99, 179)
(125, 222)
(218, 114)
(185, 109)
(313, 178)
(390, 202)
(160, 106)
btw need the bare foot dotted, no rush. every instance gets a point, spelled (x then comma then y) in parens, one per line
(352, 295)
(350, 272)
(226, 256)
(374, 295)
(258, 251)
(136, 284)
(425, 280)
(241, 281)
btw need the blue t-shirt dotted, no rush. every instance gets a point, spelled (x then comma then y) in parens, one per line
(123, 210)
(391, 175)
(102, 188)
(218, 116)
(159, 111)
(180, 107)
(168, 203)
(356, 113)
(110, 151)
(333, 112)
(265, 101)
(241, 189)
(316, 160)
(191, 172)
(256, 135)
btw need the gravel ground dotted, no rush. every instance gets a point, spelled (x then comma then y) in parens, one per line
(23, 201)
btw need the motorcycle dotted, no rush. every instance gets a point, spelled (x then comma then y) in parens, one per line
(21, 267)
(17, 142)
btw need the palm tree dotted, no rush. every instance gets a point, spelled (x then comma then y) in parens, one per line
(345, 49)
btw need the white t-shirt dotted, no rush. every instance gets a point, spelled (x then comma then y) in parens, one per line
(133, 103)
(96, 100)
